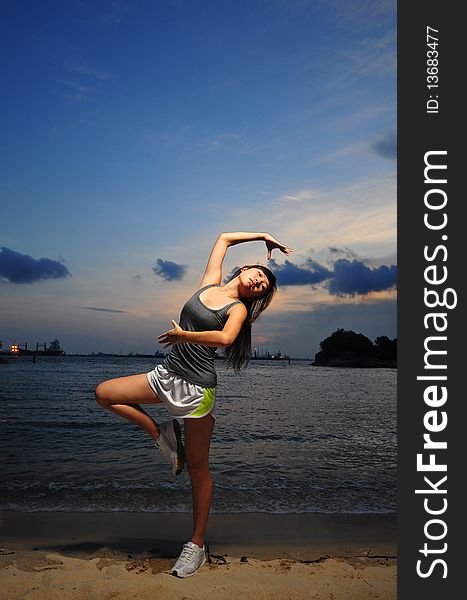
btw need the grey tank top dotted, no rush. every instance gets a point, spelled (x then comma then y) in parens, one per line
(194, 362)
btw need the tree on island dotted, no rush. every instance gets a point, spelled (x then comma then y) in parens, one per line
(386, 348)
(347, 348)
(346, 341)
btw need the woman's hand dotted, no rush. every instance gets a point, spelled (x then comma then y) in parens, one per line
(171, 337)
(272, 243)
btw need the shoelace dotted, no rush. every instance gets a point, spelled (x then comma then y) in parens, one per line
(187, 552)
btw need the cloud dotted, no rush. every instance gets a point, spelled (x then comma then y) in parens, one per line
(344, 278)
(362, 15)
(371, 57)
(310, 273)
(386, 146)
(351, 119)
(344, 152)
(224, 140)
(290, 274)
(360, 215)
(78, 91)
(87, 71)
(85, 81)
(169, 270)
(22, 268)
(102, 309)
(353, 277)
(299, 196)
(347, 252)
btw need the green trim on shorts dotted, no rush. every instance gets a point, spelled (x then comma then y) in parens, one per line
(206, 403)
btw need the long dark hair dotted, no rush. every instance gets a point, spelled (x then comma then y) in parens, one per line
(238, 354)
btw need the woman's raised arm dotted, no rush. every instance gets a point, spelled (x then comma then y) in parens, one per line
(213, 273)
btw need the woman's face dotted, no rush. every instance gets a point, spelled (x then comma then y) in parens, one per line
(253, 283)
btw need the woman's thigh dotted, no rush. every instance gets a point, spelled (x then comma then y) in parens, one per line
(198, 433)
(133, 389)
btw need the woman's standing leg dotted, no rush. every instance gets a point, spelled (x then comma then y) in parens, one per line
(198, 434)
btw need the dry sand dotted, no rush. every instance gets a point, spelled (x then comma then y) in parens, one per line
(103, 556)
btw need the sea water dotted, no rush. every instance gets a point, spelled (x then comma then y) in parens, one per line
(289, 438)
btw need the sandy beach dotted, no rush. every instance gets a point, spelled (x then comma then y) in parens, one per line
(87, 556)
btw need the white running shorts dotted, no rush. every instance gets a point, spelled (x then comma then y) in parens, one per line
(184, 400)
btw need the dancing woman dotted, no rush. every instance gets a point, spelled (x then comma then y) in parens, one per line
(215, 316)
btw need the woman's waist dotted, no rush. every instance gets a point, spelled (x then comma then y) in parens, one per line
(194, 356)
(196, 369)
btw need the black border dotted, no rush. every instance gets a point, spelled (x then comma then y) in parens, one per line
(419, 132)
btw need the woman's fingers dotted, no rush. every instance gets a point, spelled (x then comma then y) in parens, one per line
(169, 338)
(171, 331)
(281, 247)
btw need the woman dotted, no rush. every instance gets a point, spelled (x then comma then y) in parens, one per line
(215, 316)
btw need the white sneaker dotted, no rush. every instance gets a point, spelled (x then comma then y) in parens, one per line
(190, 560)
(170, 444)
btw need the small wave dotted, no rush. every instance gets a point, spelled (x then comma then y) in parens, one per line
(54, 425)
(279, 496)
(58, 486)
(186, 509)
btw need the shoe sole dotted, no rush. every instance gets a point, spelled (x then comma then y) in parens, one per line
(180, 457)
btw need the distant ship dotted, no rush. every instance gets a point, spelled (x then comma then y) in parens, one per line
(54, 349)
(269, 356)
(157, 354)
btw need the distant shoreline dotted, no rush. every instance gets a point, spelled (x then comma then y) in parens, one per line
(136, 355)
(338, 363)
(358, 362)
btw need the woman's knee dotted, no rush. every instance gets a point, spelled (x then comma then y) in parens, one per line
(197, 468)
(133, 389)
(102, 394)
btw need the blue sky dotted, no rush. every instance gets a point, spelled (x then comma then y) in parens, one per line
(134, 132)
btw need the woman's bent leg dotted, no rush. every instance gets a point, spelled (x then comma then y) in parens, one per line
(198, 434)
(122, 396)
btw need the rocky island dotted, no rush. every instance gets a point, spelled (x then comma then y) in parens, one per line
(349, 349)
